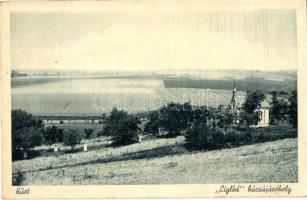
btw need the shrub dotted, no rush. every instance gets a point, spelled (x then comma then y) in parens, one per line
(202, 136)
(219, 140)
(248, 136)
(18, 178)
(232, 137)
(72, 138)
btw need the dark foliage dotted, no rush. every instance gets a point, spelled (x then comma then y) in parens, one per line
(279, 108)
(226, 118)
(52, 135)
(72, 138)
(152, 126)
(242, 84)
(253, 101)
(26, 133)
(250, 115)
(22, 119)
(121, 128)
(293, 109)
(175, 117)
(88, 132)
(202, 136)
(233, 137)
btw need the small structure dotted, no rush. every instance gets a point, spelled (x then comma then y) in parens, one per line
(56, 148)
(85, 147)
(236, 104)
(25, 155)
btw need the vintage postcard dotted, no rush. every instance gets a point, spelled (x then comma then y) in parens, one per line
(153, 99)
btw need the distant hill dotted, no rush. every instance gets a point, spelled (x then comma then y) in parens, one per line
(241, 84)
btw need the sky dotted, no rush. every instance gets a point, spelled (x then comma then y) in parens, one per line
(154, 39)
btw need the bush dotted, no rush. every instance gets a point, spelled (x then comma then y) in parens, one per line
(72, 138)
(219, 140)
(274, 132)
(248, 136)
(18, 178)
(232, 137)
(202, 136)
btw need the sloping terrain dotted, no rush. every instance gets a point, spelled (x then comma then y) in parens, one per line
(165, 161)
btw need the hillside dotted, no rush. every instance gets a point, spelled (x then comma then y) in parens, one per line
(242, 84)
(164, 161)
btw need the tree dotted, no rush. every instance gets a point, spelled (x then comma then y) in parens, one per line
(253, 101)
(52, 135)
(26, 132)
(251, 114)
(60, 134)
(71, 138)
(121, 127)
(175, 117)
(22, 119)
(202, 115)
(248, 119)
(225, 118)
(29, 138)
(293, 109)
(278, 109)
(152, 126)
(88, 132)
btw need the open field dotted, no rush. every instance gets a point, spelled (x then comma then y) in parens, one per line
(79, 127)
(242, 84)
(92, 97)
(165, 161)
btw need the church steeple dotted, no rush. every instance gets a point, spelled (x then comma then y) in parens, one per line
(233, 102)
(234, 91)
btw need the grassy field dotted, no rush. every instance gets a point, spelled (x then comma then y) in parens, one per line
(164, 161)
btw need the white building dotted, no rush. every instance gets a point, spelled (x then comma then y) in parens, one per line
(236, 103)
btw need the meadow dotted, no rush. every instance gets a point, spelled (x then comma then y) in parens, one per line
(164, 161)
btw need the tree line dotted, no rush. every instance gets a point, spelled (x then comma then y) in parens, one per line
(202, 127)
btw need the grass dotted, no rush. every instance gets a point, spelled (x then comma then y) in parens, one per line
(164, 161)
